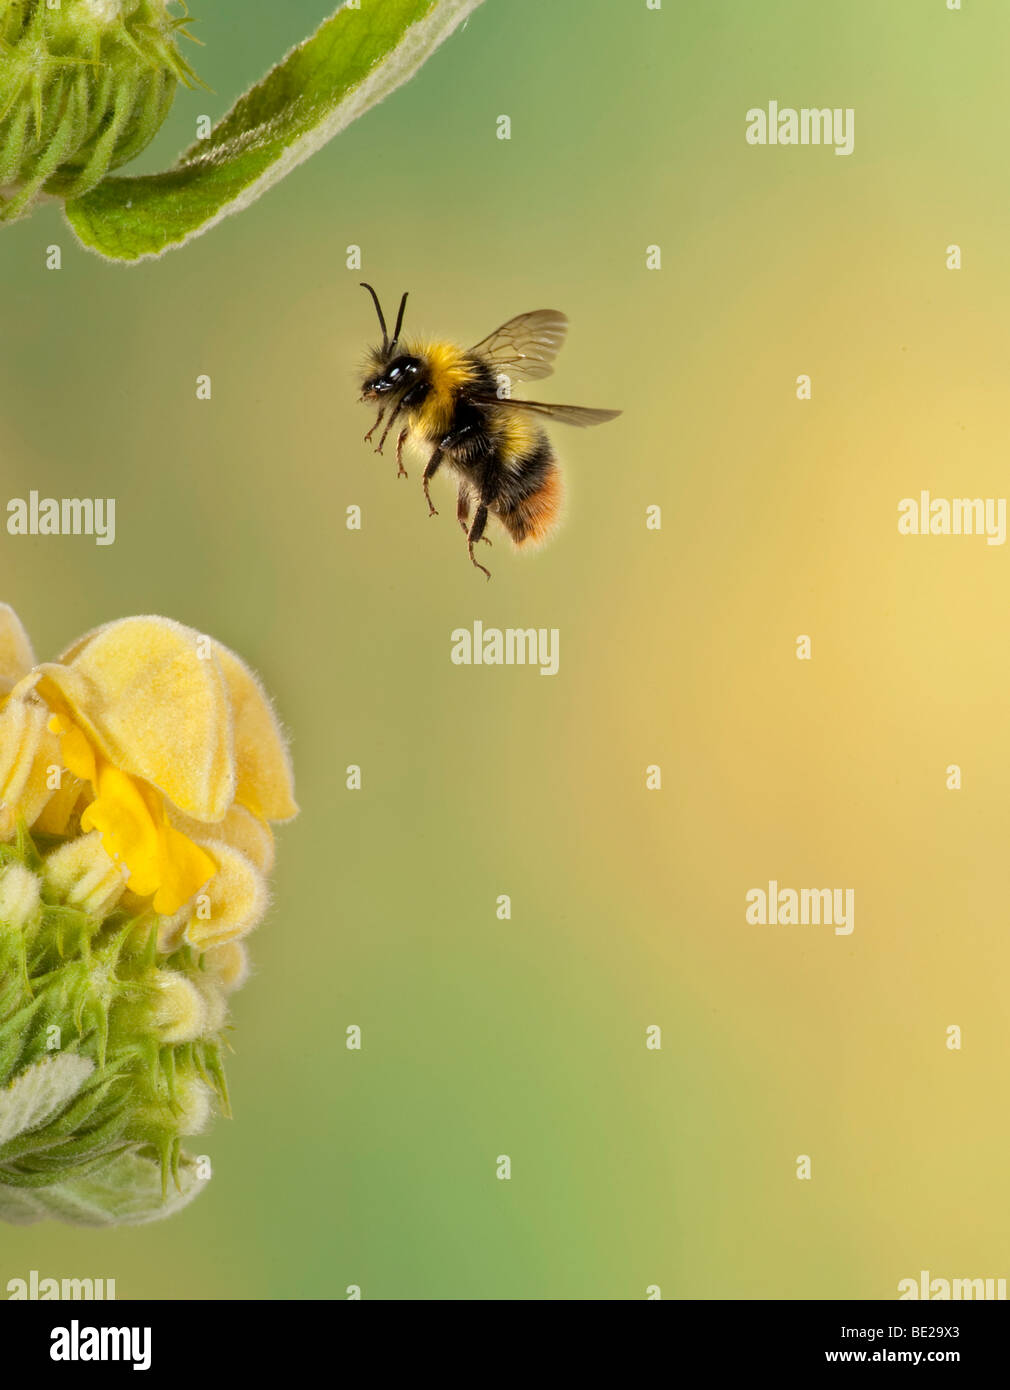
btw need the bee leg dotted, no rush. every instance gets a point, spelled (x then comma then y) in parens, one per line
(389, 426)
(401, 472)
(429, 473)
(378, 422)
(412, 396)
(463, 511)
(475, 534)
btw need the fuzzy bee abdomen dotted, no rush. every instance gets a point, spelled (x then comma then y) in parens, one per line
(530, 503)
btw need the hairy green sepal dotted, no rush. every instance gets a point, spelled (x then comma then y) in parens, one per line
(84, 88)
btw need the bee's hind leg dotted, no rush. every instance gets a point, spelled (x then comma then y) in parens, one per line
(429, 473)
(463, 512)
(475, 534)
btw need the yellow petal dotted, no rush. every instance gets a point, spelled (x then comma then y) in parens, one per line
(75, 750)
(233, 901)
(27, 752)
(150, 695)
(129, 834)
(228, 964)
(67, 655)
(61, 805)
(264, 782)
(37, 790)
(16, 655)
(185, 869)
(240, 829)
(171, 930)
(20, 734)
(161, 860)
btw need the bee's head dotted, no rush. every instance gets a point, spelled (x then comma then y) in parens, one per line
(387, 370)
(402, 372)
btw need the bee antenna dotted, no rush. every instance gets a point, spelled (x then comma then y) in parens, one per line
(399, 320)
(382, 322)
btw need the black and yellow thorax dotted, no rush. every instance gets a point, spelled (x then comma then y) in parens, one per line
(455, 379)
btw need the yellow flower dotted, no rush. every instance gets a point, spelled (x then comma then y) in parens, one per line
(147, 766)
(163, 742)
(132, 820)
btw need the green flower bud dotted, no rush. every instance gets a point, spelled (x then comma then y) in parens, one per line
(228, 965)
(84, 87)
(179, 1012)
(19, 895)
(83, 876)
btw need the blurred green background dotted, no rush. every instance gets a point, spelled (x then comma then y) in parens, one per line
(630, 1167)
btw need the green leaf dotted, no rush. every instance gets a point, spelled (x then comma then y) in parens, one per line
(124, 1192)
(354, 60)
(36, 1095)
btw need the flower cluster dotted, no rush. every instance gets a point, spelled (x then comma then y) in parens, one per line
(139, 775)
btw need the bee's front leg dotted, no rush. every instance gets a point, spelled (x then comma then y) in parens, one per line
(378, 422)
(412, 396)
(389, 425)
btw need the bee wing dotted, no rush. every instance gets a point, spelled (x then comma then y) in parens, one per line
(525, 347)
(580, 415)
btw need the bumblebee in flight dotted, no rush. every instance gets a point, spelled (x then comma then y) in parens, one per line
(453, 401)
